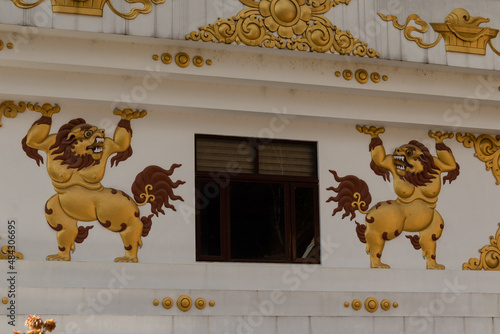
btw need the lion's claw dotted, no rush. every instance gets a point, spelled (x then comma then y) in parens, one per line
(129, 114)
(370, 130)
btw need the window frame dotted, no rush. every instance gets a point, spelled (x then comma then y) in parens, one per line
(290, 184)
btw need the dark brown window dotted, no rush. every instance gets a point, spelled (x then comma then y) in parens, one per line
(256, 200)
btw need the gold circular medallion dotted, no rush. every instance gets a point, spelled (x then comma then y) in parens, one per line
(385, 77)
(184, 303)
(155, 57)
(361, 76)
(285, 12)
(182, 59)
(395, 305)
(156, 302)
(347, 74)
(371, 304)
(356, 304)
(167, 302)
(375, 77)
(211, 303)
(385, 304)
(5, 300)
(200, 303)
(198, 61)
(346, 304)
(10, 45)
(166, 58)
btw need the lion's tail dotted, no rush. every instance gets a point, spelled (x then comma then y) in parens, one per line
(154, 186)
(352, 195)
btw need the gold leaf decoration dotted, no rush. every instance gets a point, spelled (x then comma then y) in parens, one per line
(9, 253)
(486, 147)
(291, 24)
(490, 256)
(10, 110)
(92, 7)
(461, 32)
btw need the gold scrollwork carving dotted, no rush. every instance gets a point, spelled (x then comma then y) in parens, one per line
(490, 256)
(182, 59)
(291, 24)
(461, 32)
(92, 7)
(486, 148)
(10, 110)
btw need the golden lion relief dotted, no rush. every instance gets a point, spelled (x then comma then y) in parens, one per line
(417, 183)
(76, 162)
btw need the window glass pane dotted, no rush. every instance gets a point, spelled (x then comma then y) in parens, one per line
(224, 155)
(209, 206)
(304, 222)
(257, 221)
(294, 159)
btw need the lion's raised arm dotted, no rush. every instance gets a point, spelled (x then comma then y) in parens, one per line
(445, 159)
(123, 136)
(39, 137)
(381, 163)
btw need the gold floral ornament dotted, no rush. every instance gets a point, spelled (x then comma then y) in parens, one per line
(486, 147)
(92, 7)
(490, 256)
(461, 32)
(10, 110)
(291, 24)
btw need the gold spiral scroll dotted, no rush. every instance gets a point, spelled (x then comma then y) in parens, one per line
(486, 150)
(490, 256)
(10, 110)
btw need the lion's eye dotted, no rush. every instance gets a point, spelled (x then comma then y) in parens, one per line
(409, 152)
(88, 134)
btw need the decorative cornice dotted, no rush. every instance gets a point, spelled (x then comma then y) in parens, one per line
(10, 110)
(291, 24)
(486, 147)
(460, 31)
(92, 7)
(490, 256)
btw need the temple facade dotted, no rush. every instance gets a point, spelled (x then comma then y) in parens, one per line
(250, 166)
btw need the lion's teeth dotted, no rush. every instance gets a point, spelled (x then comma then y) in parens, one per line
(99, 140)
(98, 150)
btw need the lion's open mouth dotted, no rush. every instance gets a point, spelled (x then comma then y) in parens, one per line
(401, 162)
(97, 145)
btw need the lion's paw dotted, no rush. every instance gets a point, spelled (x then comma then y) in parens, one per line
(58, 257)
(435, 266)
(127, 259)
